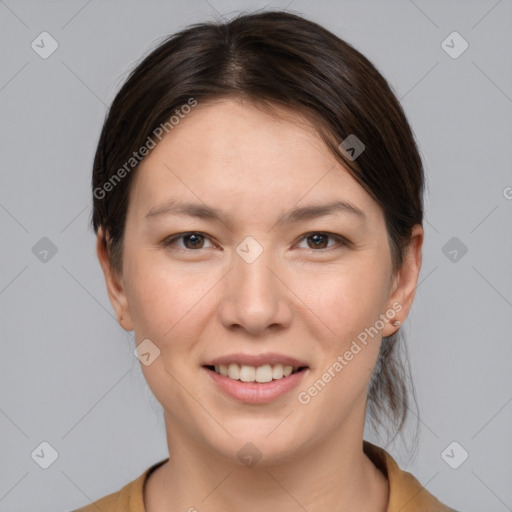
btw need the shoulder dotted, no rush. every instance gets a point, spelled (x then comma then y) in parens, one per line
(128, 499)
(406, 494)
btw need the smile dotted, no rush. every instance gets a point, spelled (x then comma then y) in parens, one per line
(261, 374)
(255, 385)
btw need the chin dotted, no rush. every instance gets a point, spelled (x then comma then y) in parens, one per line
(263, 445)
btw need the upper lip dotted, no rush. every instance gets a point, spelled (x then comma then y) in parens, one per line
(257, 360)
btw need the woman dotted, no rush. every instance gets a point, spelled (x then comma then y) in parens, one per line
(258, 210)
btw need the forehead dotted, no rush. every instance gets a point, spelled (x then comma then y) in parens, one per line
(228, 129)
(229, 153)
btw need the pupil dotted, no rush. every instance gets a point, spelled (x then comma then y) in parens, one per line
(317, 239)
(192, 237)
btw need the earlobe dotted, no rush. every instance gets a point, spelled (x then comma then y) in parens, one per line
(405, 282)
(114, 283)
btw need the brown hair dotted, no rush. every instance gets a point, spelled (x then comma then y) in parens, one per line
(280, 58)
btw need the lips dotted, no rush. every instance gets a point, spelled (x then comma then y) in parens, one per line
(257, 360)
(256, 379)
(255, 393)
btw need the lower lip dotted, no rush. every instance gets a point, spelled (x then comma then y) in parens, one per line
(256, 392)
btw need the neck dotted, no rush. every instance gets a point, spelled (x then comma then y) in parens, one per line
(337, 475)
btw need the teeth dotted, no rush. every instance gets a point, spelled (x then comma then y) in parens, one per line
(287, 370)
(277, 371)
(234, 371)
(263, 373)
(245, 373)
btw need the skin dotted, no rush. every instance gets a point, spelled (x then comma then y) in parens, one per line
(196, 304)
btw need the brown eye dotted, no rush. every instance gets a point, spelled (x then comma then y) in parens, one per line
(190, 240)
(318, 241)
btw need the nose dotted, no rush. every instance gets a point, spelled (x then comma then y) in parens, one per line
(256, 298)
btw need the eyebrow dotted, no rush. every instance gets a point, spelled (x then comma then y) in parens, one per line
(301, 213)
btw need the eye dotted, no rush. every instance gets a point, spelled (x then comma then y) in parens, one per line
(195, 240)
(319, 239)
(192, 240)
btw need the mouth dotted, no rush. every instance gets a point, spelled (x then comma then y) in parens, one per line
(255, 374)
(256, 385)
(256, 379)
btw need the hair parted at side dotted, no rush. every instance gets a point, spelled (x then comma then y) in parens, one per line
(274, 57)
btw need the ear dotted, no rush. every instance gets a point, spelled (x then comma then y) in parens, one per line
(405, 281)
(114, 282)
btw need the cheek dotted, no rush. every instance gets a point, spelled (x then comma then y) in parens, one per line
(347, 299)
(166, 307)
(162, 297)
(349, 302)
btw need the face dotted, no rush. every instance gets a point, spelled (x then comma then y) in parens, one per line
(262, 281)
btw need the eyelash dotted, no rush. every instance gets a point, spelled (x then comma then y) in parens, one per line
(168, 242)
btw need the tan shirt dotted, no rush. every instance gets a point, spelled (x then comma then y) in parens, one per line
(406, 494)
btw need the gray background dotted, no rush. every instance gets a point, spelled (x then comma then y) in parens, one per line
(67, 372)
